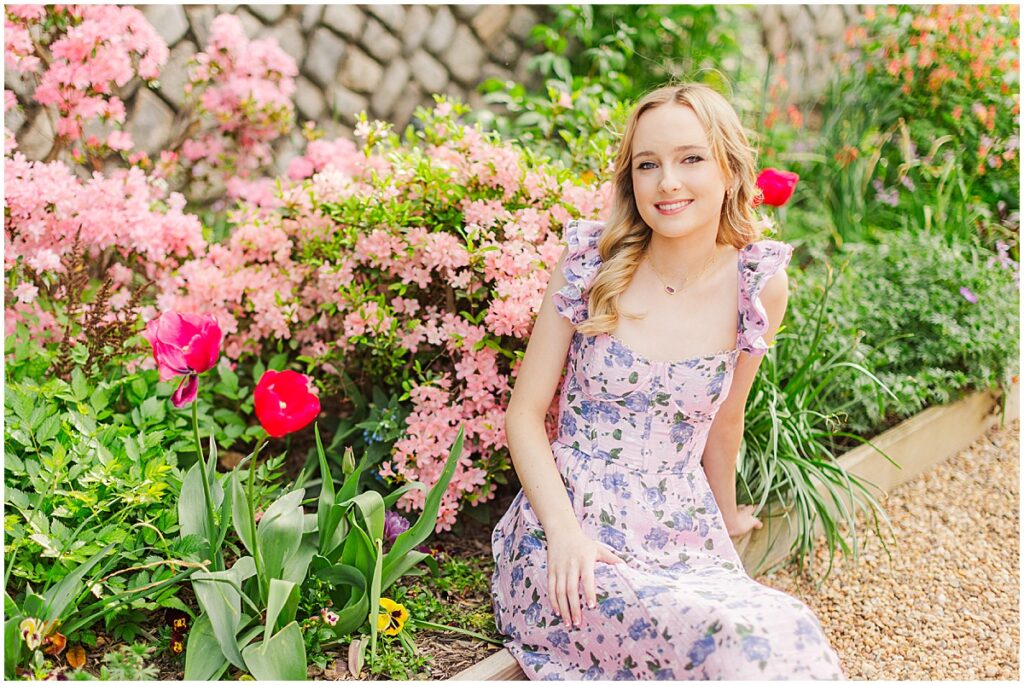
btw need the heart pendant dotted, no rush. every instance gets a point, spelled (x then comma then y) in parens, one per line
(670, 290)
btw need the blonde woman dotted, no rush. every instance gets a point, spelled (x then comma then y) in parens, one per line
(615, 559)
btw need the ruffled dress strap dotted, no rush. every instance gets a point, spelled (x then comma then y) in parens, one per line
(580, 267)
(759, 261)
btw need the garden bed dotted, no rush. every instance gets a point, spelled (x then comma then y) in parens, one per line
(918, 444)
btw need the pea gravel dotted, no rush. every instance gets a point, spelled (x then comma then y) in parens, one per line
(946, 607)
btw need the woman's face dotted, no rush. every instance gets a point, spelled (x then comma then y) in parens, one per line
(677, 184)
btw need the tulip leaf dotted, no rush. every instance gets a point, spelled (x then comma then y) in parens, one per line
(12, 646)
(204, 659)
(392, 497)
(297, 565)
(243, 522)
(192, 514)
(326, 500)
(334, 531)
(218, 593)
(355, 606)
(282, 657)
(57, 598)
(375, 588)
(371, 506)
(350, 486)
(424, 526)
(282, 602)
(280, 532)
(358, 550)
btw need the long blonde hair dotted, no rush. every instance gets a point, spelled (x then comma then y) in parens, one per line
(626, 236)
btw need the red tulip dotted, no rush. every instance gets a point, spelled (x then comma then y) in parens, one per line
(184, 345)
(285, 402)
(777, 186)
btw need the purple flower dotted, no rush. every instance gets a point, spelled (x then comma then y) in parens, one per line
(968, 295)
(756, 648)
(394, 525)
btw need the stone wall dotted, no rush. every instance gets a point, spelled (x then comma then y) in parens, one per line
(387, 59)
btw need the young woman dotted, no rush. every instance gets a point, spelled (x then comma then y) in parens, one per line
(615, 559)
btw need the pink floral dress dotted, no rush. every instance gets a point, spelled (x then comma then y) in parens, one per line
(631, 435)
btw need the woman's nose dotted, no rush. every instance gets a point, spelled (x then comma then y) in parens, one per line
(669, 182)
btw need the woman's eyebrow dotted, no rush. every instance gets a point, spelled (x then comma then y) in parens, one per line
(679, 148)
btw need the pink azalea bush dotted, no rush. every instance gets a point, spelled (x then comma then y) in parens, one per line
(419, 265)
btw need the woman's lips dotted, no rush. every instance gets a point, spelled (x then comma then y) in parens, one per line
(669, 208)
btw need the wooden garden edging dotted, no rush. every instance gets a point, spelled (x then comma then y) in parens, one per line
(921, 442)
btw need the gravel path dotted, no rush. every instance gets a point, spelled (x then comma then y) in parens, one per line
(947, 606)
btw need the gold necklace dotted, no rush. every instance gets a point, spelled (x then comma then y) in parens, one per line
(668, 288)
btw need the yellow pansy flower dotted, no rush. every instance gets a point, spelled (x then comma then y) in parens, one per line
(32, 632)
(392, 617)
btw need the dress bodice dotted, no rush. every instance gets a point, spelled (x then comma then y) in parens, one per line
(650, 415)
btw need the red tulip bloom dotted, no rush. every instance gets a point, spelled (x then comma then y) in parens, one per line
(285, 402)
(777, 186)
(184, 345)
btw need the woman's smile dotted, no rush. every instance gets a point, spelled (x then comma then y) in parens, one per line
(671, 207)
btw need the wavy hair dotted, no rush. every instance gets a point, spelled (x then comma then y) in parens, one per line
(626, 236)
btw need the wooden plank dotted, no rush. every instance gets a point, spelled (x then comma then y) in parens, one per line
(917, 444)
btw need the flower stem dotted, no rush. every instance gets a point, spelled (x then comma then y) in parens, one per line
(256, 552)
(213, 554)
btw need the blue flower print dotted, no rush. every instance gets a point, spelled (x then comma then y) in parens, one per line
(650, 591)
(654, 496)
(656, 538)
(533, 614)
(756, 648)
(611, 537)
(682, 521)
(805, 628)
(608, 412)
(568, 424)
(589, 410)
(535, 659)
(715, 386)
(637, 630)
(620, 354)
(681, 432)
(553, 676)
(702, 527)
(517, 574)
(595, 672)
(559, 639)
(664, 674)
(624, 674)
(701, 650)
(529, 544)
(616, 483)
(612, 607)
(637, 401)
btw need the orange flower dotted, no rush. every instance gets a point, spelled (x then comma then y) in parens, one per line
(846, 155)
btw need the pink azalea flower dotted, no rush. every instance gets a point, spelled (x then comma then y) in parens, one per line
(968, 295)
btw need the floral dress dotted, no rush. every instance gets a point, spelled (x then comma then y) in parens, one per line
(630, 439)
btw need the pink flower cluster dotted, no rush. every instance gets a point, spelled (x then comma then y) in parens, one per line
(126, 219)
(432, 256)
(92, 49)
(245, 86)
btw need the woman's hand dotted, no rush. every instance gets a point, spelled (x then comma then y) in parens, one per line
(571, 558)
(743, 522)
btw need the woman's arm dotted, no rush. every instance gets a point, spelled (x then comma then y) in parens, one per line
(723, 444)
(571, 554)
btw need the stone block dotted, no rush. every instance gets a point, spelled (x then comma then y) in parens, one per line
(464, 57)
(39, 138)
(360, 72)
(492, 70)
(429, 72)
(395, 80)
(149, 121)
(290, 36)
(199, 19)
(309, 99)
(348, 20)
(466, 12)
(490, 23)
(14, 119)
(174, 75)
(831, 23)
(505, 52)
(417, 21)
(311, 15)
(521, 22)
(403, 109)
(269, 14)
(393, 16)
(441, 31)
(347, 105)
(169, 21)
(250, 24)
(22, 85)
(325, 52)
(379, 42)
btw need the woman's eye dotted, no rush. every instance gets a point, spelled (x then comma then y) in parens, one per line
(645, 165)
(692, 159)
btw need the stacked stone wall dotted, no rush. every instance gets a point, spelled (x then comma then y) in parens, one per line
(388, 59)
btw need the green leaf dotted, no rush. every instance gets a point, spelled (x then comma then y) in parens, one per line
(424, 525)
(297, 565)
(371, 506)
(282, 657)
(192, 503)
(326, 499)
(240, 512)
(12, 646)
(203, 658)
(355, 611)
(59, 597)
(218, 593)
(280, 532)
(282, 602)
(79, 385)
